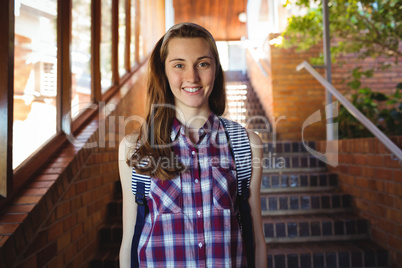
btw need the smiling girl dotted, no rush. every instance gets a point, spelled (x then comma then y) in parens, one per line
(192, 205)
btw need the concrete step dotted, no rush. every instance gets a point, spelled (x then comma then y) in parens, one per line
(304, 203)
(286, 162)
(106, 258)
(321, 227)
(110, 234)
(298, 182)
(333, 254)
(288, 147)
(114, 209)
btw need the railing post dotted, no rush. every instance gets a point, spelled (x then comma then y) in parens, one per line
(328, 69)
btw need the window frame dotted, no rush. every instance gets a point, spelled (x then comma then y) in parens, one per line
(12, 180)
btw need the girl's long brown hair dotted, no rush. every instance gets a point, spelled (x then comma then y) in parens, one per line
(154, 138)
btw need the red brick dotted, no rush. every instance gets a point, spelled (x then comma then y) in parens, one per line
(41, 240)
(375, 160)
(82, 214)
(69, 222)
(355, 170)
(46, 255)
(367, 145)
(57, 262)
(13, 218)
(55, 230)
(70, 252)
(376, 185)
(394, 215)
(361, 204)
(387, 225)
(27, 200)
(377, 234)
(76, 203)
(397, 176)
(63, 209)
(368, 172)
(392, 163)
(394, 188)
(398, 230)
(81, 187)
(361, 182)
(18, 208)
(63, 242)
(77, 232)
(395, 243)
(377, 210)
(8, 229)
(28, 262)
(46, 178)
(360, 159)
(83, 241)
(384, 174)
(69, 193)
(348, 158)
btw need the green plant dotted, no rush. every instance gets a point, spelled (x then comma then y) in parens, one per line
(370, 28)
(385, 111)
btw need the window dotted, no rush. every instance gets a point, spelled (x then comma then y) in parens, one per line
(106, 45)
(80, 56)
(143, 24)
(35, 76)
(133, 33)
(60, 56)
(122, 37)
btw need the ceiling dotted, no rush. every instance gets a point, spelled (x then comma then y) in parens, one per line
(220, 17)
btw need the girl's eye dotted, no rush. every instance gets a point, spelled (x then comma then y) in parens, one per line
(179, 65)
(203, 64)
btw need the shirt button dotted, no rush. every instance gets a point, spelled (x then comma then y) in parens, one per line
(193, 153)
(200, 245)
(199, 213)
(196, 181)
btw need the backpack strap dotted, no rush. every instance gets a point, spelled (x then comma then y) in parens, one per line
(140, 185)
(240, 144)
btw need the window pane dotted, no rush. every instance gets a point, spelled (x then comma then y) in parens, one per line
(122, 37)
(80, 56)
(143, 22)
(133, 30)
(106, 45)
(35, 76)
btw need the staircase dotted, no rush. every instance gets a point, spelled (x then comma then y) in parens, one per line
(110, 234)
(307, 221)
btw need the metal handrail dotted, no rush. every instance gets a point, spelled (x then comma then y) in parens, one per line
(353, 110)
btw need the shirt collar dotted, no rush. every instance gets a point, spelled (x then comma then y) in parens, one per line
(211, 126)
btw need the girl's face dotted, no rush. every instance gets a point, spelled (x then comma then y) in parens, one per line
(190, 69)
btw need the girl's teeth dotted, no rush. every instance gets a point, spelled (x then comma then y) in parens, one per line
(191, 90)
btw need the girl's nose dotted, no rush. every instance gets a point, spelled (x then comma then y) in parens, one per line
(192, 75)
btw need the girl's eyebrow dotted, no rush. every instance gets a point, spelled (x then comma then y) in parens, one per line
(199, 58)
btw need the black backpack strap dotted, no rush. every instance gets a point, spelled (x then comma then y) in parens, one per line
(240, 144)
(140, 185)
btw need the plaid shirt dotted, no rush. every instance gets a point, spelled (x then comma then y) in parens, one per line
(192, 220)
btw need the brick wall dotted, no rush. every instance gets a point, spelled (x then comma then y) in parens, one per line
(383, 80)
(297, 95)
(286, 94)
(54, 222)
(367, 172)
